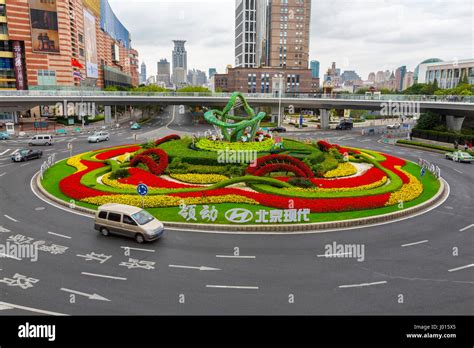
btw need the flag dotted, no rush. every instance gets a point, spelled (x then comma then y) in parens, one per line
(78, 75)
(75, 63)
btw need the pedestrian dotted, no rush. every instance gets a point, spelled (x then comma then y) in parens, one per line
(465, 146)
(456, 145)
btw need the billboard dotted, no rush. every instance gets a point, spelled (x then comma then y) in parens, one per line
(19, 65)
(44, 26)
(90, 38)
(93, 5)
(112, 26)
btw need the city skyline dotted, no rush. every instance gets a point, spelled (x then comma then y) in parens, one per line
(357, 35)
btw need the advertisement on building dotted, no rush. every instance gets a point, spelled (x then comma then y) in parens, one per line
(90, 45)
(112, 26)
(19, 65)
(44, 26)
(93, 5)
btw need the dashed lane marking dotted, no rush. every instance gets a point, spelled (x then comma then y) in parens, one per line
(30, 309)
(59, 235)
(4, 152)
(10, 218)
(460, 268)
(232, 287)
(466, 228)
(235, 257)
(102, 276)
(415, 243)
(138, 249)
(362, 285)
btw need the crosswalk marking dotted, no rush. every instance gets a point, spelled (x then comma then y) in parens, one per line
(4, 152)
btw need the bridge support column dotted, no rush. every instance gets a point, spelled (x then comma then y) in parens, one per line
(454, 123)
(108, 114)
(324, 114)
(275, 117)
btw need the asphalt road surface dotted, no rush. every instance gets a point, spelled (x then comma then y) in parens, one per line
(421, 265)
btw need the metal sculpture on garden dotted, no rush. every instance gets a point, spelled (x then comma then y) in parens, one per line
(234, 127)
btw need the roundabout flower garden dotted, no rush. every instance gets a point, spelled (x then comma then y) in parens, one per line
(265, 180)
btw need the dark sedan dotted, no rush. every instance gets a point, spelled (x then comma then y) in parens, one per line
(26, 155)
(278, 129)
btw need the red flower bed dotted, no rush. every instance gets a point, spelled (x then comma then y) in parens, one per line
(147, 159)
(116, 152)
(138, 176)
(325, 146)
(291, 164)
(167, 138)
(390, 164)
(71, 186)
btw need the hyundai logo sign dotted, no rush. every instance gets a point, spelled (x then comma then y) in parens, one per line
(239, 215)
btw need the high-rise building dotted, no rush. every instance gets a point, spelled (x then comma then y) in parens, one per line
(314, 65)
(245, 33)
(380, 77)
(143, 73)
(350, 75)
(371, 77)
(39, 38)
(180, 62)
(447, 74)
(196, 77)
(212, 72)
(399, 77)
(164, 72)
(409, 80)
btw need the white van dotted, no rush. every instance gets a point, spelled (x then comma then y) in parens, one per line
(42, 139)
(128, 221)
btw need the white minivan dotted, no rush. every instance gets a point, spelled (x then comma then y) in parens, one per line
(41, 139)
(128, 221)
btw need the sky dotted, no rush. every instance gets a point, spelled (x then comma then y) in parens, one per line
(360, 35)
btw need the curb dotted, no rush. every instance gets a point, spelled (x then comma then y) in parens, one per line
(440, 196)
(421, 148)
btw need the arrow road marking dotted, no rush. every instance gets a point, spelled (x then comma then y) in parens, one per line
(130, 248)
(232, 287)
(90, 296)
(460, 268)
(10, 218)
(29, 309)
(3, 307)
(466, 228)
(361, 285)
(9, 256)
(102, 276)
(415, 243)
(202, 268)
(4, 230)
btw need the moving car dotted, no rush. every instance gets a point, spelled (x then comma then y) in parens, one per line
(4, 136)
(345, 125)
(98, 137)
(459, 156)
(128, 221)
(278, 129)
(26, 155)
(135, 126)
(395, 125)
(41, 139)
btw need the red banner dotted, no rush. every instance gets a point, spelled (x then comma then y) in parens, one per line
(18, 66)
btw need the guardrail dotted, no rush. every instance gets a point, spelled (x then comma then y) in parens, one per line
(383, 97)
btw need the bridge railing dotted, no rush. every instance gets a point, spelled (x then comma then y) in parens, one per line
(358, 97)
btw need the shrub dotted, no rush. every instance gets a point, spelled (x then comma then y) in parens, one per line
(119, 174)
(167, 138)
(301, 182)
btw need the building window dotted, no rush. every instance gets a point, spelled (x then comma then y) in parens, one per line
(80, 37)
(81, 52)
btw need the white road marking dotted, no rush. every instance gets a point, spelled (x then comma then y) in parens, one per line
(460, 268)
(102, 276)
(334, 255)
(40, 208)
(415, 243)
(9, 256)
(59, 235)
(2, 174)
(4, 152)
(10, 218)
(3, 307)
(29, 309)
(466, 228)
(89, 296)
(458, 171)
(361, 285)
(232, 287)
(235, 257)
(130, 248)
(6, 165)
(14, 152)
(201, 268)
(4, 230)
(25, 164)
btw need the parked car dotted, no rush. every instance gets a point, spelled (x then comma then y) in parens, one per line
(26, 155)
(41, 140)
(135, 126)
(98, 137)
(459, 156)
(345, 125)
(128, 221)
(4, 136)
(278, 129)
(395, 125)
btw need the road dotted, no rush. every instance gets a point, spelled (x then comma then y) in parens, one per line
(422, 265)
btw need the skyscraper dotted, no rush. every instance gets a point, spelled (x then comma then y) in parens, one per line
(400, 77)
(180, 62)
(314, 68)
(212, 72)
(164, 71)
(143, 73)
(245, 33)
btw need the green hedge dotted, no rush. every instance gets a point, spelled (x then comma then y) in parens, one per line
(445, 137)
(431, 146)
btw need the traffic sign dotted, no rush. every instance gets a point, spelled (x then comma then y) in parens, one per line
(142, 189)
(423, 172)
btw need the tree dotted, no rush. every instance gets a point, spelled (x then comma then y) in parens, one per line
(464, 80)
(194, 89)
(428, 120)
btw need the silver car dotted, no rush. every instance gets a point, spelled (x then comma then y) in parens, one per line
(98, 137)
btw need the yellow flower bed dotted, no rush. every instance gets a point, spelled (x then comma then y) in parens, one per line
(124, 158)
(159, 201)
(373, 185)
(75, 162)
(343, 169)
(408, 192)
(199, 178)
(114, 183)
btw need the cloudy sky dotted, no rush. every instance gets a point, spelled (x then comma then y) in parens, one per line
(361, 35)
